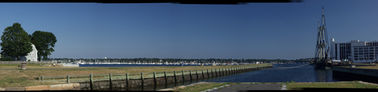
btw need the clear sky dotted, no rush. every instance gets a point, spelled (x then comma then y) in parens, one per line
(167, 30)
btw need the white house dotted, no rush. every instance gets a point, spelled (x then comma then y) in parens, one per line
(31, 56)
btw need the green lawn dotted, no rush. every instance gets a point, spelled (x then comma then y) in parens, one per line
(200, 87)
(369, 67)
(289, 85)
(346, 84)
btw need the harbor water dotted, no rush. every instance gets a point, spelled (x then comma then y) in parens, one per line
(281, 73)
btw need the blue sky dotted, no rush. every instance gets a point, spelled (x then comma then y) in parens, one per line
(166, 30)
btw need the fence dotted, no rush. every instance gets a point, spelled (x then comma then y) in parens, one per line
(145, 81)
(29, 62)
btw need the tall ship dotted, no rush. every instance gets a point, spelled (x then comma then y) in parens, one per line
(322, 45)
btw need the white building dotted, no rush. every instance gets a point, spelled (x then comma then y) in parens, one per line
(355, 50)
(31, 56)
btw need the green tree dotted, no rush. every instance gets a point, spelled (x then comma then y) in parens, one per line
(15, 42)
(44, 42)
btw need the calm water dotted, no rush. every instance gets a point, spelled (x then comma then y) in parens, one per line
(281, 73)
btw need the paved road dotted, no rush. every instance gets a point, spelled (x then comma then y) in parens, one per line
(245, 87)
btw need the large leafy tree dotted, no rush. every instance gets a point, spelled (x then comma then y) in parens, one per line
(44, 42)
(15, 42)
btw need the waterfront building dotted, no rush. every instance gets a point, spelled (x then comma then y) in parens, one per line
(355, 51)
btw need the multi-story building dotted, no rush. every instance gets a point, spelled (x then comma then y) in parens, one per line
(355, 51)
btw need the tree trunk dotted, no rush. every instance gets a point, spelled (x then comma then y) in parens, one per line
(39, 58)
(17, 58)
(44, 57)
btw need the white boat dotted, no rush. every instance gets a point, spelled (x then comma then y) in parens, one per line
(71, 64)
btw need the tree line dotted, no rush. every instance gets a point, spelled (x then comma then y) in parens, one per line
(174, 60)
(16, 42)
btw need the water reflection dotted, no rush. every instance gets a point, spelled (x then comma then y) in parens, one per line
(323, 75)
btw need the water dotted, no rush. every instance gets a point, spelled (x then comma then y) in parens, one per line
(281, 73)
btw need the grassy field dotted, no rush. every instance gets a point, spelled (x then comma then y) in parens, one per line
(346, 84)
(289, 85)
(200, 87)
(368, 67)
(11, 76)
